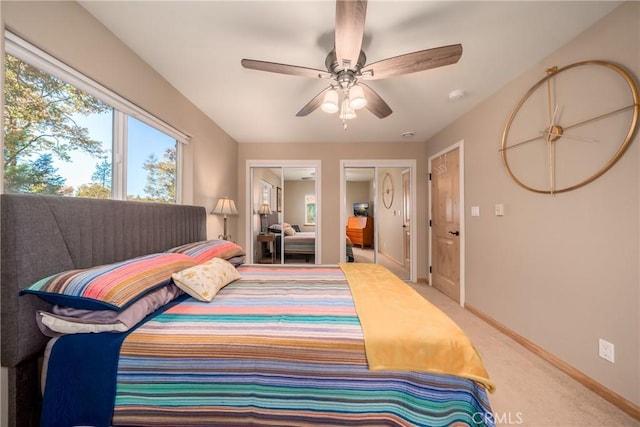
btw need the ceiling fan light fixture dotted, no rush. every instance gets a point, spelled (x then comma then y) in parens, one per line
(346, 112)
(356, 97)
(330, 102)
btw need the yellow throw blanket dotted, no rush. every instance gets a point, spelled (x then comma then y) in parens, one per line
(403, 331)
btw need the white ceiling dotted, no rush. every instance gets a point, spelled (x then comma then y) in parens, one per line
(197, 46)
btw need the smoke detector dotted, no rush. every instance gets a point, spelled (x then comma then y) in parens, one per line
(456, 95)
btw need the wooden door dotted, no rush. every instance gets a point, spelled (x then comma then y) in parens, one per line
(445, 224)
(406, 220)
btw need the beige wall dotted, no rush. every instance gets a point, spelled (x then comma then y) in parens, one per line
(293, 201)
(66, 31)
(561, 271)
(330, 155)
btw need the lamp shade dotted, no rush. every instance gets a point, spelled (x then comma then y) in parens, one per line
(225, 206)
(265, 209)
(356, 97)
(330, 102)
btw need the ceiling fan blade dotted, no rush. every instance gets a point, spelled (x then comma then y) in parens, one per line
(350, 17)
(375, 103)
(414, 62)
(312, 105)
(292, 70)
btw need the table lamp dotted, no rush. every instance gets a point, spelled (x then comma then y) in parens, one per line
(225, 206)
(264, 210)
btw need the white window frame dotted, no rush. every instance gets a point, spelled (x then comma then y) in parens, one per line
(122, 108)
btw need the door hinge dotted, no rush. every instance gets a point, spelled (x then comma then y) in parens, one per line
(430, 269)
(429, 223)
(429, 176)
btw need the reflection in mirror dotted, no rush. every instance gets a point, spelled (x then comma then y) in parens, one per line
(360, 210)
(284, 215)
(297, 243)
(379, 232)
(264, 185)
(392, 225)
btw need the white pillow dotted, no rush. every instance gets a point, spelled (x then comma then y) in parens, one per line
(205, 280)
(289, 231)
(62, 326)
(67, 320)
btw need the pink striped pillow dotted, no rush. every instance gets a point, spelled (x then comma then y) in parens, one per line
(111, 286)
(208, 249)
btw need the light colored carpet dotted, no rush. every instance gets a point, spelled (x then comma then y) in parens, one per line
(530, 391)
(366, 255)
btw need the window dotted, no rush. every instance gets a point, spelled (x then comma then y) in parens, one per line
(265, 194)
(151, 164)
(49, 127)
(310, 209)
(66, 135)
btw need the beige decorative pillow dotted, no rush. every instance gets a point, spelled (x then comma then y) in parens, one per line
(205, 280)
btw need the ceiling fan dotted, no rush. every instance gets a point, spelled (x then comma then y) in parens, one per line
(347, 70)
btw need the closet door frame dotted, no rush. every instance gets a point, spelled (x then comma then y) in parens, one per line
(283, 164)
(410, 164)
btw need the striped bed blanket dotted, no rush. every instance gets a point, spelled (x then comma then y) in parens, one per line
(281, 346)
(303, 242)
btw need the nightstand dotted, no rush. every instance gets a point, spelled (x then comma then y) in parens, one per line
(266, 241)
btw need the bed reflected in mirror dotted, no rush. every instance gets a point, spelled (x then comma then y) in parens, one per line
(297, 240)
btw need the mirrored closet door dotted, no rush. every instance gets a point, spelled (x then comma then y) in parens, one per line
(284, 229)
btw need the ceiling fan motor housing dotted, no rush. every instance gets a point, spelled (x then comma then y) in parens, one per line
(345, 77)
(333, 67)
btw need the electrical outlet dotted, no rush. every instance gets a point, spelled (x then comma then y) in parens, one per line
(606, 350)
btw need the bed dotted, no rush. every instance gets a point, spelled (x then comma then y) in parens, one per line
(278, 345)
(298, 244)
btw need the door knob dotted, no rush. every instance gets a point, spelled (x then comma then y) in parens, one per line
(455, 233)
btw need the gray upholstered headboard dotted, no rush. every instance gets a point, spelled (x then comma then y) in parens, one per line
(43, 235)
